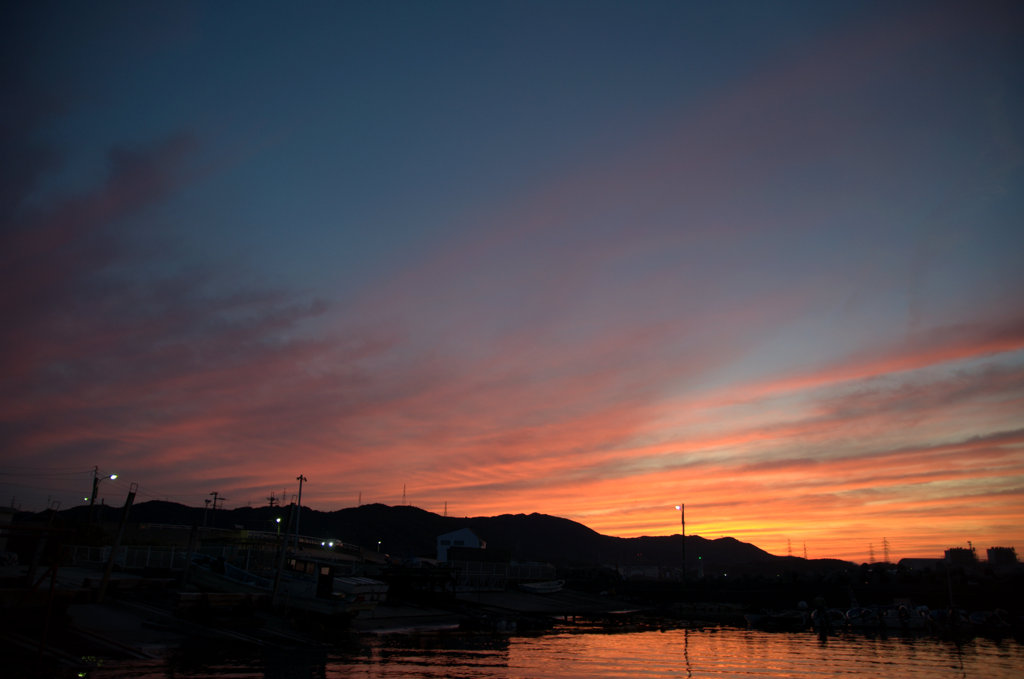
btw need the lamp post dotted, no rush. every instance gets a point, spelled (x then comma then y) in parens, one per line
(96, 484)
(682, 537)
(301, 478)
(278, 522)
(95, 491)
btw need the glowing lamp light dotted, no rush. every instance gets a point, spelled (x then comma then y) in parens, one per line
(112, 477)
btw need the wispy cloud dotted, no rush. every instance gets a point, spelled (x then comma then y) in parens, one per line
(765, 307)
(169, 373)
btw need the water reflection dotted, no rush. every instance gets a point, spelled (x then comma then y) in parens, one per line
(686, 652)
(721, 652)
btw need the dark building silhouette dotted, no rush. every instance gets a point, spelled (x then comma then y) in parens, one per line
(961, 556)
(1002, 558)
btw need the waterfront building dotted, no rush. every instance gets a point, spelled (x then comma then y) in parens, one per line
(464, 537)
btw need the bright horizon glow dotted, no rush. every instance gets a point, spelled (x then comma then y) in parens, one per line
(574, 258)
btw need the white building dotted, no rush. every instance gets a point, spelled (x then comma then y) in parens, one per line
(464, 537)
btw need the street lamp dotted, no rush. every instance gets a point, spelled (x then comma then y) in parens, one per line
(278, 522)
(96, 484)
(298, 507)
(682, 537)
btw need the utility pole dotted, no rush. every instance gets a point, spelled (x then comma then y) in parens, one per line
(213, 518)
(682, 538)
(282, 546)
(95, 490)
(117, 542)
(298, 508)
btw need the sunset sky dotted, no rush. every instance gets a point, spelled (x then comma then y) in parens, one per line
(589, 259)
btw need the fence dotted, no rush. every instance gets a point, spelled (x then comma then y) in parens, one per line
(158, 556)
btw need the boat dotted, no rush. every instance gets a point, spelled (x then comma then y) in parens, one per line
(827, 620)
(546, 587)
(784, 621)
(904, 618)
(217, 574)
(861, 618)
(311, 583)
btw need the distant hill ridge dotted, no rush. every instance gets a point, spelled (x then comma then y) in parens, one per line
(405, 531)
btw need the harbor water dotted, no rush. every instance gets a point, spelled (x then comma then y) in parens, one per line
(720, 652)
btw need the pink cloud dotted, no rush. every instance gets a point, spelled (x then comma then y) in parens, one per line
(577, 355)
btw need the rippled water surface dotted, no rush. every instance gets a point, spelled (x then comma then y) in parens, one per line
(718, 652)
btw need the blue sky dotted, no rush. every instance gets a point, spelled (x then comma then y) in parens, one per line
(514, 255)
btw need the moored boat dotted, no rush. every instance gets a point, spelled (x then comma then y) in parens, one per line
(547, 587)
(785, 621)
(308, 582)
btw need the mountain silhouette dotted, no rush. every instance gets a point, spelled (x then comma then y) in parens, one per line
(409, 532)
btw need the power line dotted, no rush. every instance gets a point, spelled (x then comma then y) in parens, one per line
(45, 472)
